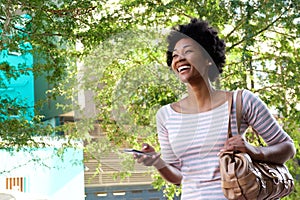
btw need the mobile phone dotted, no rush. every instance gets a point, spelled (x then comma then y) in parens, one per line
(134, 151)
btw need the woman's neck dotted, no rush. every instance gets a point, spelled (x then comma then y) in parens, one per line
(200, 94)
(201, 97)
(204, 97)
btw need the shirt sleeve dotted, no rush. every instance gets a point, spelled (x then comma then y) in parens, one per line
(163, 138)
(258, 116)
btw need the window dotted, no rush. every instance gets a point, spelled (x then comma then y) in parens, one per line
(16, 184)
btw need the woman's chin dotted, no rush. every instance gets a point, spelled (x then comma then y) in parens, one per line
(184, 79)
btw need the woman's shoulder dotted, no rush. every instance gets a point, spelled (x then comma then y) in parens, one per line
(164, 109)
(252, 102)
(246, 92)
(163, 112)
(249, 96)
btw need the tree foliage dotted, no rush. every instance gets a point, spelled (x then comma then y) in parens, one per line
(124, 58)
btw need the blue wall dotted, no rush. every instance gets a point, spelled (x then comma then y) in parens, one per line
(44, 172)
(20, 89)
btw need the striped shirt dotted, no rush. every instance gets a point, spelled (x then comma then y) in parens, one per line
(191, 142)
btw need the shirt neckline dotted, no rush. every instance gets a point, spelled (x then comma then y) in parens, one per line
(200, 113)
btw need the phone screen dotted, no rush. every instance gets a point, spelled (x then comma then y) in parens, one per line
(135, 151)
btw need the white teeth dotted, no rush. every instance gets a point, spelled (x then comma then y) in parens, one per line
(181, 68)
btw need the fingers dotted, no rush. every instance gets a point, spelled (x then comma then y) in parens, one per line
(147, 160)
(235, 143)
(147, 148)
(236, 138)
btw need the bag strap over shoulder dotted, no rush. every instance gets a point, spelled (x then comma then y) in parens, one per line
(230, 97)
(238, 111)
(239, 108)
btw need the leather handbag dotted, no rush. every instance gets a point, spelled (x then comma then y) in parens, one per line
(247, 179)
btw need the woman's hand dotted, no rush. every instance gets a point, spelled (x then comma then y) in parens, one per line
(238, 143)
(151, 159)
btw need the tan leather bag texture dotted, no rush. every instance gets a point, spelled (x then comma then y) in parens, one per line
(245, 179)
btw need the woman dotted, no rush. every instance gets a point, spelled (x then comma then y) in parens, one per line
(193, 131)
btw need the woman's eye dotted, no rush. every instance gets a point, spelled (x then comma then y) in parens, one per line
(174, 55)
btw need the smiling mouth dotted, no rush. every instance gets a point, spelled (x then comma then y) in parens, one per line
(183, 68)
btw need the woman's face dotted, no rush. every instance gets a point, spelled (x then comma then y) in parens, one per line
(188, 61)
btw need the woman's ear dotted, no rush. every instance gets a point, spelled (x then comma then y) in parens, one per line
(209, 62)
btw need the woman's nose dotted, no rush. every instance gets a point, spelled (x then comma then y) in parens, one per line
(178, 58)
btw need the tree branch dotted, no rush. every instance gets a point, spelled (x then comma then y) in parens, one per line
(235, 28)
(285, 34)
(267, 87)
(260, 31)
(74, 12)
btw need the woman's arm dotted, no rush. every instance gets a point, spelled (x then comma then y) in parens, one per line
(277, 153)
(168, 172)
(280, 146)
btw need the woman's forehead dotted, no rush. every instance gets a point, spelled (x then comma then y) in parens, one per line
(185, 43)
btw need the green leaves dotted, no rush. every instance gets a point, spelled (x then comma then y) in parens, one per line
(124, 61)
